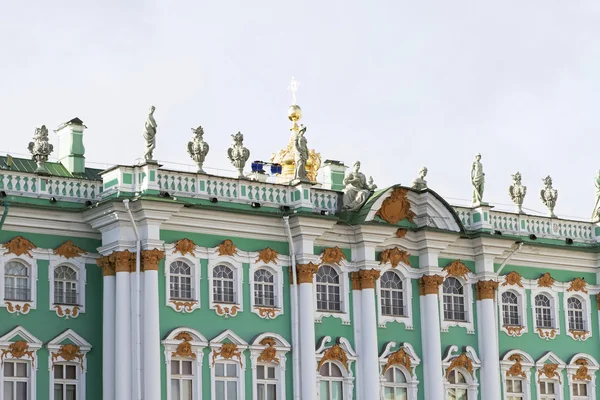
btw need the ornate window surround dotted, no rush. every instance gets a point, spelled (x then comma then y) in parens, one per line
(343, 269)
(507, 366)
(20, 307)
(267, 312)
(237, 356)
(171, 255)
(404, 358)
(182, 349)
(323, 353)
(453, 359)
(78, 264)
(521, 294)
(586, 371)
(33, 344)
(467, 283)
(235, 262)
(587, 313)
(277, 359)
(539, 365)
(406, 276)
(77, 356)
(552, 293)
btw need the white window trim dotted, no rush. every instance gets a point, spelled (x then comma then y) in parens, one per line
(78, 264)
(469, 325)
(215, 357)
(521, 294)
(34, 345)
(472, 382)
(54, 346)
(587, 315)
(268, 312)
(282, 347)
(404, 273)
(198, 344)
(527, 364)
(343, 272)
(20, 307)
(411, 376)
(592, 367)
(553, 359)
(348, 377)
(234, 262)
(194, 262)
(546, 333)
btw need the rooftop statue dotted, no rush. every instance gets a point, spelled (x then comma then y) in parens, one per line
(517, 192)
(300, 155)
(596, 212)
(420, 183)
(150, 134)
(197, 148)
(549, 196)
(357, 191)
(238, 154)
(40, 148)
(477, 180)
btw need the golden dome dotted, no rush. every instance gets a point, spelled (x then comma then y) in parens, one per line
(294, 113)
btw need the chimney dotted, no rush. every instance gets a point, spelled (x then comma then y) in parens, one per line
(333, 174)
(70, 145)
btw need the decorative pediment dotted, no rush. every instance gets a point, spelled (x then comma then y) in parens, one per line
(394, 256)
(22, 334)
(185, 246)
(341, 351)
(269, 348)
(512, 278)
(404, 356)
(69, 250)
(549, 366)
(267, 256)
(457, 269)
(333, 255)
(19, 343)
(466, 360)
(582, 367)
(517, 368)
(184, 342)
(396, 207)
(19, 246)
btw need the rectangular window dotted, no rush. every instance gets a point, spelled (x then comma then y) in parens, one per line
(510, 315)
(264, 295)
(392, 303)
(454, 308)
(226, 381)
(180, 287)
(181, 380)
(580, 391)
(65, 292)
(514, 389)
(548, 391)
(576, 321)
(16, 380)
(266, 383)
(223, 291)
(328, 298)
(65, 382)
(16, 289)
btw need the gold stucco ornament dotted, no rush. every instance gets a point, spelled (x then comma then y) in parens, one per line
(19, 246)
(334, 353)
(69, 250)
(396, 207)
(333, 255)
(267, 255)
(394, 256)
(517, 368)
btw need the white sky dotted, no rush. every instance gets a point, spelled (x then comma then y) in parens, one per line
(395, 84)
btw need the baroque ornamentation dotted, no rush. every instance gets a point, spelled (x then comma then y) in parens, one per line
(18, 308)
(18, 349)
(227, 311)
(336, 353)
(549, 196)
(40, 148)
(183, 306)
(238, 154)
(150, 259)
(578, 285)
(368, 278)
(546, 333)
(516, 369)
(514, 331)
(399, 357)
(549, 371)
(461, 361)
(517, 192)
(107, 265)
(197, 148)
(394, 256)
(269, 354)
(267, 312)
(124, 261)
(306, 272)
(429, 284)
(400, 233)
(185, 246)
(184, 349)
(486, 289)
(396, 207)
(420, 183)
(546, 280)
(19, 246)
(582, 373)
(579, 335)
(356, 189)
(512, 278)
(66, 311)
(267, 255)
(227, 351)
(69, 250)
(355, 278)
(333, 255)
(457, 268)
(68, 352)
(227, 248)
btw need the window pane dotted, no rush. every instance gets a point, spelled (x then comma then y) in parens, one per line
(231, 390)
(71, 372)
(335, 371)
(175, 367)
(220, 390)
(9, 369)
(271, 392)
(324, 390)
(71, 392)
(186, 390)
(186, 368)
(175, 389)
(260, 372)
(21, 370)
(231, 370)
(8, 391)
(220, 369)
(336, 390)
(21, 390)
(271, 372)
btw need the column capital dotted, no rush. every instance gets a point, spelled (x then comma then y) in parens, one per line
(150, 259)
(430, 284)
(306, 272)
(124, 261)
(486, 289)
(107, 266)
(368, 278)
(355, 278)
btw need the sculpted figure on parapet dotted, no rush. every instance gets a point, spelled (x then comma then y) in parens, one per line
(150, 134)
(477, 180)
(420, 183)
(356, 191)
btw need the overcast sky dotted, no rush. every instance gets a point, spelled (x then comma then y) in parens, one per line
(395, 84)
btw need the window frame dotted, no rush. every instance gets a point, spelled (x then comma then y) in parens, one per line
(559, 382)
(68, 310)
(34, 345)
(546, 333)
(180, 305)
(282, 347)
(198, 344)
(592, 365)
(587, 332)
(229, 336)
(343, 273)
(472, 382)
(347, 374)
(469, 324)
(527, 363)
(267, 312)
(411, 378)
(53, 347)
(404, 274)
(234, 262)
(521, 294)
(20, 306)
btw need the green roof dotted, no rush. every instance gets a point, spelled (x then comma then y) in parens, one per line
(53, 168)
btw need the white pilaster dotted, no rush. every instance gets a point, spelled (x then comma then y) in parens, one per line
(432, 347)
(357, 299)
(151, 348)
(308, 361)
(123, 350)
(108, 337)
(369, 345)
(488, 350)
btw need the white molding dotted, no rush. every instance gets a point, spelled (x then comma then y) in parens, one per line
(527, 365)
(194, 263)
(20, 307)
(521, 294)
(552, 293)
(404, 273)
(587, 314)
(412, 382)
(343, 272)
(472, 382)
(78, 264)
(81, 366)
(236, 264)
(215, 345)
(554, 359)
(592, 367)
(282, 347)
(348, 377)
(277, 310)
(469, 325)
(34, 345)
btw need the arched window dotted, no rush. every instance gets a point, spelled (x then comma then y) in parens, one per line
(454, 300)
(65, 285)
(515, 389)
(16, 281)
(264, 288)
(328, 289)
(510, 309)
(457, 388)
(180, 280)
(543, 312)
(331, 385)
(182, 379)
(392, 297)
(575, 313)
(395, 386)
(223, 285)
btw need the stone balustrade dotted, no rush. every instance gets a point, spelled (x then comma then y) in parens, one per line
(36, 186)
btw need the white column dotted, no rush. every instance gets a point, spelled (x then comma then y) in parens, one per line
(488, 339)
(306, 319)
(357, 324)
(151, 329)
(108, 329)
(369, 335)
(430, 334)
(123, 316)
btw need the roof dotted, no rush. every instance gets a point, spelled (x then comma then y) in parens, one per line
(53, 168)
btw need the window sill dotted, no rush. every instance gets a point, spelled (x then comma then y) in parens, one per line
(226, 309)
(18, 306)
(579, 335)
(514, 330)
(67, 310)
(547, 333)
(183, 305)
(267, 312)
